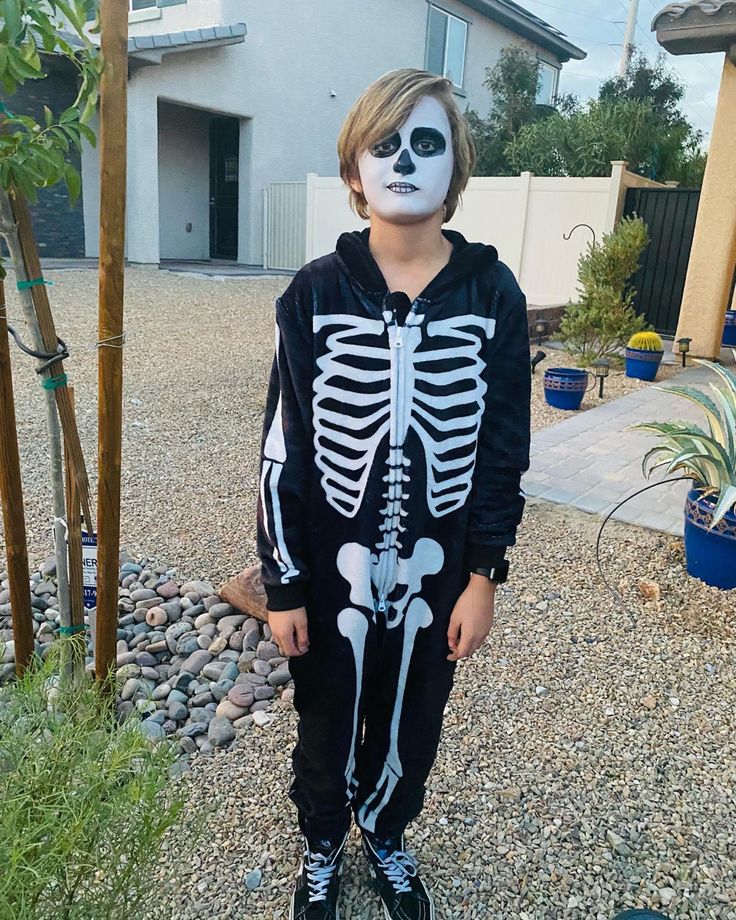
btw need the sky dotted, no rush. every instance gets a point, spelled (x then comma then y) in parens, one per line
(598, 27)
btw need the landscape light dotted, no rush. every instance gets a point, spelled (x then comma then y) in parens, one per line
(602, 368)
(537, 359)
(540, 328)
(684, 346)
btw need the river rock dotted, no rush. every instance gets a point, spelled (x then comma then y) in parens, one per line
(220, 731)
(196, 662)
(168, 589)
(230, 710)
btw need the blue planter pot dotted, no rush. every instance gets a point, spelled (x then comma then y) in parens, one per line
(729, 330)
(564, 387)
(710, 555)
(642, 365)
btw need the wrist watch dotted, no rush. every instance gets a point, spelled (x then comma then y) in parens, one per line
(498, 573)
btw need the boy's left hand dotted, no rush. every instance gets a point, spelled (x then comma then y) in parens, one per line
(472, 618)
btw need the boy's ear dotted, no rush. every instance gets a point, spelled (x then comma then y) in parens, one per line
(355, 185)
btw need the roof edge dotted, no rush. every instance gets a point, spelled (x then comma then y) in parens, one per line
(519, 20)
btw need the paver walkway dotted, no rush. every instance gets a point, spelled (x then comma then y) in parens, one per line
(591, 462)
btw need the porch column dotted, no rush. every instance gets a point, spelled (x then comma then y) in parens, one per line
(710, 271)
(142, 204)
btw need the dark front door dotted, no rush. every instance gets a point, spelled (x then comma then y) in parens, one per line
(669, 214)
(224, 139)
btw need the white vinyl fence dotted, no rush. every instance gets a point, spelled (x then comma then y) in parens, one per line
(284, 225)
(525, 217)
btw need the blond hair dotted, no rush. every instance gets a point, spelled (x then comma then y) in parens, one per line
(382, 109)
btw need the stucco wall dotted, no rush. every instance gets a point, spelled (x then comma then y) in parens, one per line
(183, 160)
(281, 81)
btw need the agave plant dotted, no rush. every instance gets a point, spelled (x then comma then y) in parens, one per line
(709, 459)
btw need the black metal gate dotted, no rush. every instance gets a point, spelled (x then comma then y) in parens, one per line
(669, 214)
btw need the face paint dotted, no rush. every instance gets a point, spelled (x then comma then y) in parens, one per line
(406, 176)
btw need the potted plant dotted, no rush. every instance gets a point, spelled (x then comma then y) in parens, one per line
(564, 387)
(644, 354)
(709, 459)
(729, 329)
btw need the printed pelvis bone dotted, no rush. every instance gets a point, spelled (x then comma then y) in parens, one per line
(357, 566)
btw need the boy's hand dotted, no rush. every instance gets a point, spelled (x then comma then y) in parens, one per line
(472, 618)
(289, 630)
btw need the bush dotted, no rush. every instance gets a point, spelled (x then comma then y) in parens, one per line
(601, 323)
(83, 805)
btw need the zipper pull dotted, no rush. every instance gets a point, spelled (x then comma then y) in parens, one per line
(397, 341)
(382, 603)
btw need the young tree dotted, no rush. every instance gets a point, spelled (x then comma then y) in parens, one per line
(513, 84)
(636, 118)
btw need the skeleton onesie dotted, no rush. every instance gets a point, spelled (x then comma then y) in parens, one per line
(394, 439)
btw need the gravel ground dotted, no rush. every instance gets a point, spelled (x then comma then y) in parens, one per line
(585, 766)
(197, 359)
(617, 384)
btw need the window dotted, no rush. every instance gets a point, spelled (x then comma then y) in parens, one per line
(446, 39)
(549, 78)
(141, 4)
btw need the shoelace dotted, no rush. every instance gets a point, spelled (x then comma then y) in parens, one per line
(319, 873)
(399, 868)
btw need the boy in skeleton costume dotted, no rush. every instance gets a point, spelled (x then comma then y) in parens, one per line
(395, 435)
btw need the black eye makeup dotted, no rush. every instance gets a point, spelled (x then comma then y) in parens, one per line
(388, 146)
(425, 142)
(428, 142)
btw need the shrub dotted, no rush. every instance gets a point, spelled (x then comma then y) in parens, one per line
(603, 320)
(83, 805)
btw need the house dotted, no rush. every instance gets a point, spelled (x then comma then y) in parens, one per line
(228, 96)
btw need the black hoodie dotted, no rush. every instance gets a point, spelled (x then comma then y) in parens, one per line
(395, 433)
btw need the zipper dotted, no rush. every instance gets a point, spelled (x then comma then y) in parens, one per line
(381, 603)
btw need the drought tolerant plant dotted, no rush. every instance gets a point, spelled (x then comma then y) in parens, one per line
(85, 803)
(708, 458)
(646, 341)
(602, 321)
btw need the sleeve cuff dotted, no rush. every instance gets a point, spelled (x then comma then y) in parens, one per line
(480, 556)
(285, 597)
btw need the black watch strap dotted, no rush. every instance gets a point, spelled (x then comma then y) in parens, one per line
(498, 573)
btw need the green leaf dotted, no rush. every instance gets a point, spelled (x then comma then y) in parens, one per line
(73, 184)
(12, 19)
(726, 502)
(69, 115)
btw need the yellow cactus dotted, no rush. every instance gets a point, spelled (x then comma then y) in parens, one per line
(646, 341)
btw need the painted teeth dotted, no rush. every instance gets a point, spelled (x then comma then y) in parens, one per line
(402, 187)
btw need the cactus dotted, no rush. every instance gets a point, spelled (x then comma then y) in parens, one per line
(646, 341)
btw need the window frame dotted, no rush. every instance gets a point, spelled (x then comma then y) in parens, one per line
(557, 69)
(448, 16)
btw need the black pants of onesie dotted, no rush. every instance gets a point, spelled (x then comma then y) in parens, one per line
(324, 697)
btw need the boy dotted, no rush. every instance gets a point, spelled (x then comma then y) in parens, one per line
(395, 435)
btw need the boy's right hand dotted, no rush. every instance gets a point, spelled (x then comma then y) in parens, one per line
(289, 630)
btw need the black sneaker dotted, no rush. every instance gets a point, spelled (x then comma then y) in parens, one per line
(404, 894)
(318, 882)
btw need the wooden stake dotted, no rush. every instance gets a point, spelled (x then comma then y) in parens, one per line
(113, 131)
(76, 581)
(9, 229)
(11, 490)
(40, 298)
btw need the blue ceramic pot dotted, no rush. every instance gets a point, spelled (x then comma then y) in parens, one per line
(642, 365)
(729, 330)
(710, 555)
(564, 387)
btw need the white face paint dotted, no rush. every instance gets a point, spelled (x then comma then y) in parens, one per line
(406, 176)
